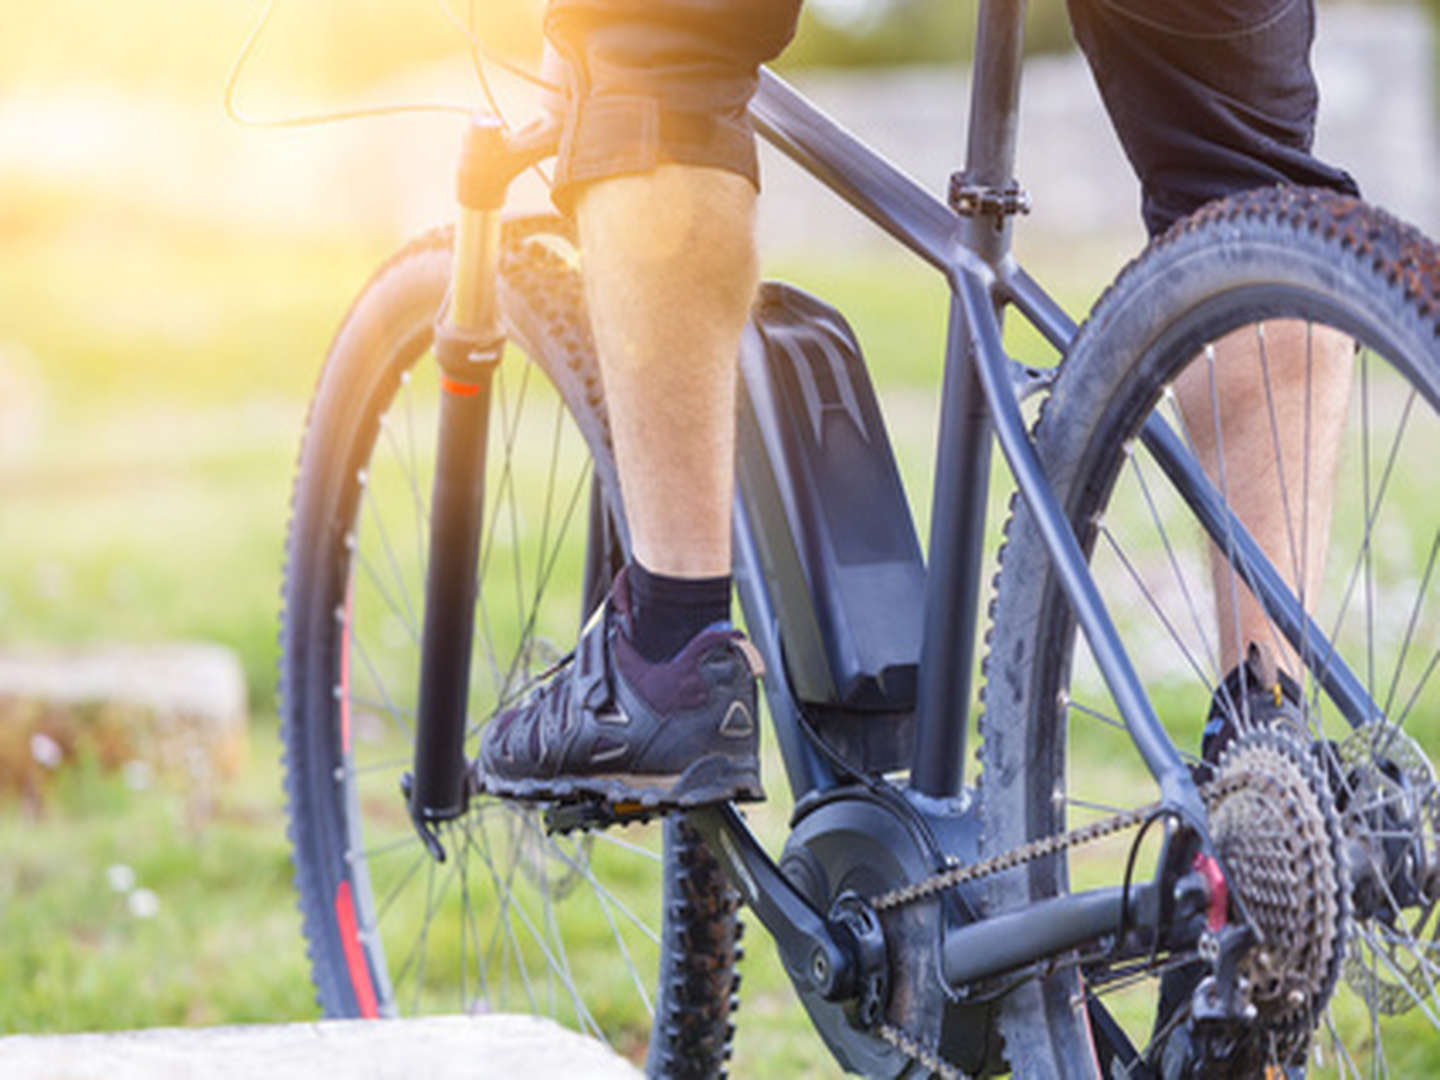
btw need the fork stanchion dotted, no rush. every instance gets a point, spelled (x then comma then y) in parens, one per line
(469, 341)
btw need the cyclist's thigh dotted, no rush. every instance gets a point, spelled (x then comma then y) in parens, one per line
(1209, 97)
(652, 81)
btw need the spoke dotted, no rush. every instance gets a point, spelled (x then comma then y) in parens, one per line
(1118, 724)
(503, 895)
(549, 565)
(1098, 807)
(423, 942)
(1296, 560)
(1342, 1055)
(419, 951)
(399, 613)
(615, 841)
(581, 1012)
(380, 766)
(514, 510)
(1371, 512)
(552, 925)
(1429, 670)
(1366, 550)
(549, 491)
(1305, 496)
(1154, 604)
(619, 904)
(399, 886)
(1244, 711)
(414, 457)
(1184, 429)
(1190, 604)
(1377, 954)
(396, 713)
(606, 898)
(381, 706)
(1420, 595)
(381, 849)
(468, 846)
(409, 469)
(373, 503)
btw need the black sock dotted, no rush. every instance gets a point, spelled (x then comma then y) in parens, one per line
(669, 611)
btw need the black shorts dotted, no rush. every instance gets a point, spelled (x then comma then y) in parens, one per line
(1209, 97)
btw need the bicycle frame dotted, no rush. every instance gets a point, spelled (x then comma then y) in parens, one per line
(967, 241)
(973, 253)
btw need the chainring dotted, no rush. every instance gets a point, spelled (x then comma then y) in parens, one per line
(1277, 833)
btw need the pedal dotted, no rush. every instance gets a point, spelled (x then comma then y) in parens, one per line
(568, 817)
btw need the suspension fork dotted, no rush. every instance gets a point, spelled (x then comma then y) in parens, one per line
(469, 341)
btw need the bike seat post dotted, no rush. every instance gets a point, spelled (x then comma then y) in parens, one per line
(469, 341)
(994, 122)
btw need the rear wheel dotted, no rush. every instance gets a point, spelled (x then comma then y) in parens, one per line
(1251, 270)
(629, 935)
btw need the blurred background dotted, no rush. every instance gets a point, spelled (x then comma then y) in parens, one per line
(169, 280)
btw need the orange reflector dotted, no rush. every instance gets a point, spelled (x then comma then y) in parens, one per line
(459, 389)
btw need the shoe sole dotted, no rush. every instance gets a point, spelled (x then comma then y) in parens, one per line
(711, 780)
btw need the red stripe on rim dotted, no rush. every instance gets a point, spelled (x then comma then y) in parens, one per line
(354, 954)
(345, 679)
(459, 389)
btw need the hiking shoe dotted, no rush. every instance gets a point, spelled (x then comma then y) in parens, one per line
(1256, 694)
(614, 726)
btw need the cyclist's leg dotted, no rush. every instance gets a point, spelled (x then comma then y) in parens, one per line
(658, 162)
(1210, 99)
(1280, 479)
(667, 301)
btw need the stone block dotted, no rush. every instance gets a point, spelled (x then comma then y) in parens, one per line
(497, 1046)
(175, 709)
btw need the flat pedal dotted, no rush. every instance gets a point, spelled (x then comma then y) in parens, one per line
(590, 815)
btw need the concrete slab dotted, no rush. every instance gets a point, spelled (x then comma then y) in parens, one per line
(437, 1048)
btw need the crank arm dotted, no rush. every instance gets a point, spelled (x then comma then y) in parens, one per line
(809, 950)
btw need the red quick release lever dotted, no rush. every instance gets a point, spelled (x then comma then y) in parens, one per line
(1218, 890)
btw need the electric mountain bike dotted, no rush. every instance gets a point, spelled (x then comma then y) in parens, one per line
(1095, 900)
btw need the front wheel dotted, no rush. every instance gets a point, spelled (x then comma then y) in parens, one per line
(629, 935)
(1200, 331)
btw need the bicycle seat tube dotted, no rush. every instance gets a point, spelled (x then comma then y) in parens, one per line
(962, 463)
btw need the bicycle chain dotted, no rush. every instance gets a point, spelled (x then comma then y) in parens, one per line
(1035, 849)
(911, 1048)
